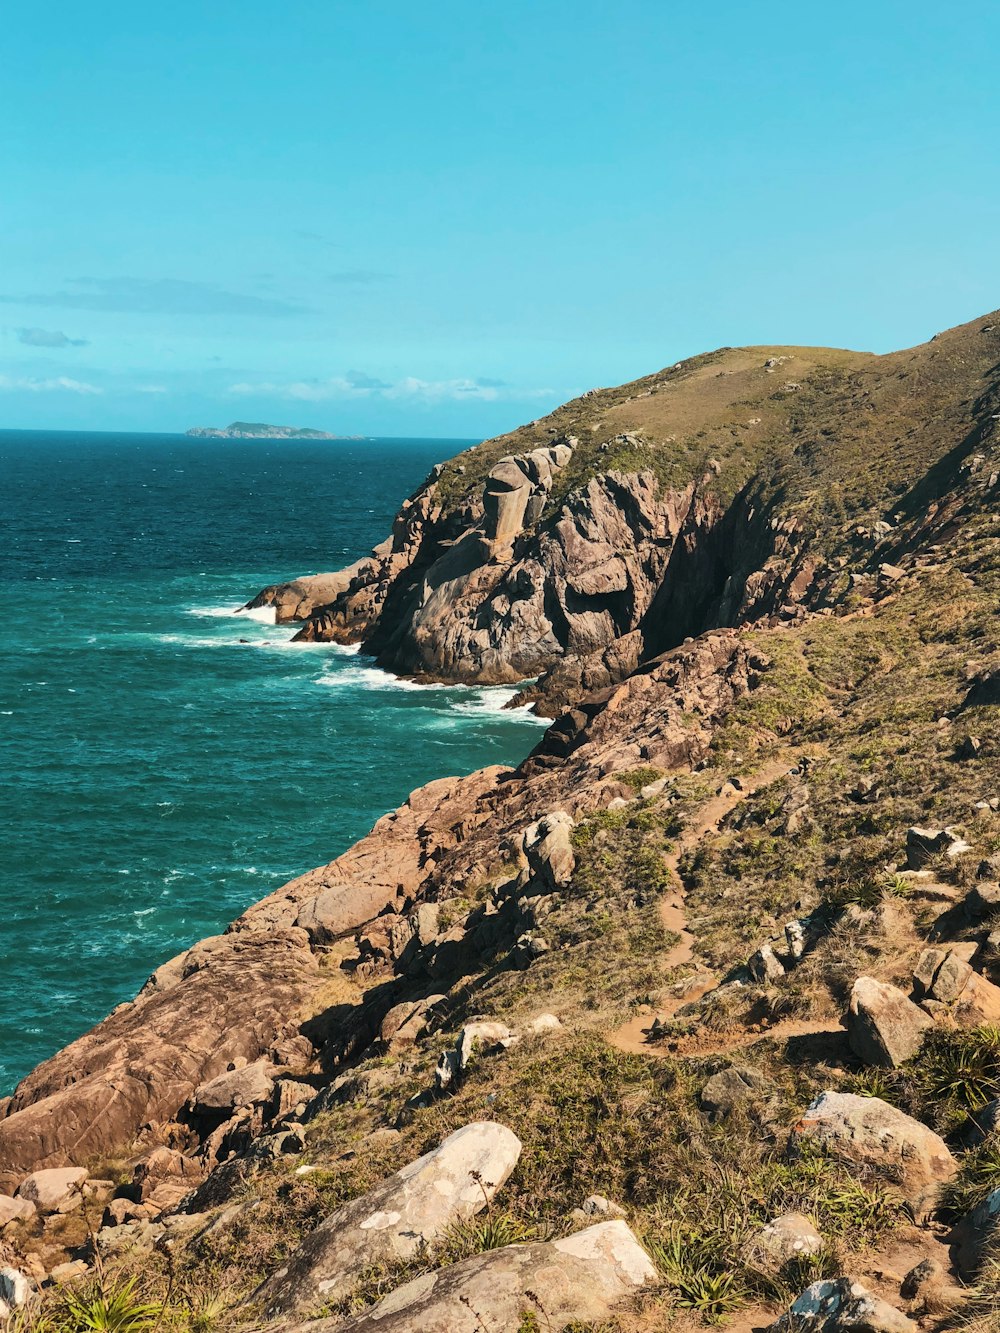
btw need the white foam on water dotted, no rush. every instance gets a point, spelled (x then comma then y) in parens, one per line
(264, 615)
(484, 701)
(492, 701)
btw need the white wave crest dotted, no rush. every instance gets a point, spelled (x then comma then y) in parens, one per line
(265, 615)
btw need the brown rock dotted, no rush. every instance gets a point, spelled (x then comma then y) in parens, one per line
(55, 1190)
(869, 1131)
(884, 1027)
(579, 1279)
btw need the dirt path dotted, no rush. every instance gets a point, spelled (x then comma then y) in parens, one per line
(632, 1036)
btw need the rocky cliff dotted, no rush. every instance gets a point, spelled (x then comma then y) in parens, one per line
(745, 484)
(697, 1008)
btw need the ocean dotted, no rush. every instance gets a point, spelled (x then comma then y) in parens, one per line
(163, 762)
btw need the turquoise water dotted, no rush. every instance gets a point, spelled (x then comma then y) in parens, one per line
(163, 762)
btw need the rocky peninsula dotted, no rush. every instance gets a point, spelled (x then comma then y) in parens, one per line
(694, 1015)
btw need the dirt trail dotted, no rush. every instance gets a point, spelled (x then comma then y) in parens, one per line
(632, 1036)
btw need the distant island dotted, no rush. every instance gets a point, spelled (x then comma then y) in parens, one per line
(260, 430)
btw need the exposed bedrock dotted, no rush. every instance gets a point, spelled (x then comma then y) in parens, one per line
(512, 587)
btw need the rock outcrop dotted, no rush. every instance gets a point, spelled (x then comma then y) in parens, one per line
(580, 1279)
(841, 1305)
(397, 1220)
(884, 1027)
(867, 1130)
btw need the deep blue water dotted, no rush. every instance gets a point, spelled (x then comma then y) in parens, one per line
(158, 773)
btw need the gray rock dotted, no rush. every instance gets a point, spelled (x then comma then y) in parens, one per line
(870, 1132)
(927, 1274)
(396, 1219)
(596, 1205)
(579, 1279)
(922, 844)
(730, 1088)
(983, 900)
(942, 974)
(548, 849)
(481, 1038)
(974, 1234)
(764, 966)
(841, 1305)
(884, 1027)
(15, 1288)
(789, 1237)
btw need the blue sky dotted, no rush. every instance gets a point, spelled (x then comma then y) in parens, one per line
(381, 217)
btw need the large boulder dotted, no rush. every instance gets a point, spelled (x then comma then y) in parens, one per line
(884, 1027)
(975, 1233)
(225, 1094)
(340, 909)
(15, 1210)
(870, 1132)
(841, 1305)
(57, 1189)
(396, 1219)
(577, 1280)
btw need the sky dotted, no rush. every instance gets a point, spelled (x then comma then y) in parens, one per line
(390, 218)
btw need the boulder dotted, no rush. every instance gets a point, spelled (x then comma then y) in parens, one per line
(405, 1022)
(544, 1025)
(923, 844)
(578, 1280)
(983, 900)
(248, 1086)
(340, 910)
(788, 1237)
(945, 982)
(884, 1027)
(841, 1305)
(974, 1234)
(764, 966)
(870, 1132)
(548, 849)
(941, 974)
(57, 1189)
(483, 1037)
(15, 1289)
(729, 1088)
(396, 1219)
(15, 1210)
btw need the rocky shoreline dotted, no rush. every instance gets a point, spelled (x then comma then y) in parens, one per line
(725, 636)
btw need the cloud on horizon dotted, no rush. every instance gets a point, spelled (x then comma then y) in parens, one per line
(57, 384)
(155, 296)
(48, 338)
(358, 384)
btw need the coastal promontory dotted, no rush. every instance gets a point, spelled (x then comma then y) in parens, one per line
(259, 430)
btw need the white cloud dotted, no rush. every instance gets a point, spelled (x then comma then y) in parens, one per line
(357, 384)
(60, 383)
(150, 388)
